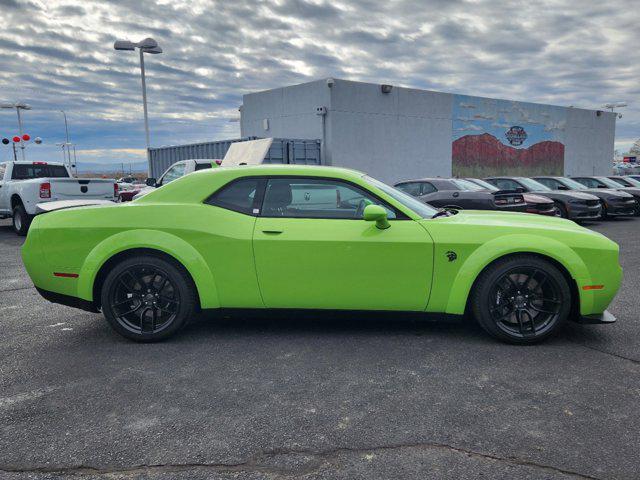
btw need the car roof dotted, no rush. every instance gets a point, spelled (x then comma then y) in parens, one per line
(426, 179)
(283, 169)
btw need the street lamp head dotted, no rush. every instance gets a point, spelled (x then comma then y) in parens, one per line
(153, 50)
(147, 43)
(124, 45)
(20, 105)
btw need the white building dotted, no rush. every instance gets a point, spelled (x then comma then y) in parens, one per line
(397, 133)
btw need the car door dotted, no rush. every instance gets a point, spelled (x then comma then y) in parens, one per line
(314, 250)
(4, 195)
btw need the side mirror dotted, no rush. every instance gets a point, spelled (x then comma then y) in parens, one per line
(520, 190)
(562, 187)
(601, 186)
(376, 213)
(151, 182)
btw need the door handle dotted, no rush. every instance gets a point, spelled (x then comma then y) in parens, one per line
(272, 232)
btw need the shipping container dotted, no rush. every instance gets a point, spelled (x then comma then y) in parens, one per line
(283, 150)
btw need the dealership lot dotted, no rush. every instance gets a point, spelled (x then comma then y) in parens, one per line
(315, 397)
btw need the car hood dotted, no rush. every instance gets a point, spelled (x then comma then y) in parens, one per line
(567, 195)
(513, 220)
(610, 193)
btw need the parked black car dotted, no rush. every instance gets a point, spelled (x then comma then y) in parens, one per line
(605, 182)
(571, 205)
(614, 203)
(461, 194)
(538, 204)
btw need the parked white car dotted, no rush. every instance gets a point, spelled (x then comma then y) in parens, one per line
(177, 170)
(23, 185)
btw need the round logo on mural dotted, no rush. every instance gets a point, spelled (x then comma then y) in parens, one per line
(516, 135)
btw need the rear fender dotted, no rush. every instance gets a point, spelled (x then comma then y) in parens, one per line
(165, 242)
(507, 245)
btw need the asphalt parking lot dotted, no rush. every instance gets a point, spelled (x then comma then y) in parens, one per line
(255, 398)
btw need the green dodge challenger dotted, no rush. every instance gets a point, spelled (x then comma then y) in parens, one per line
(301, 237)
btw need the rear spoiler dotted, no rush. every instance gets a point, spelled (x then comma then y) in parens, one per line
(506, 192)
(46, 207)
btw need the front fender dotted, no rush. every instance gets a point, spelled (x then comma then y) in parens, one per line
(510, 244)
(165, 242)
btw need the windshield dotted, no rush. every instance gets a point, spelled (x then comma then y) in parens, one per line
(533, 185)
(572, 184)
(466, 185)
(608, 182)
(484, 185)
(422, 209)
(630, 181)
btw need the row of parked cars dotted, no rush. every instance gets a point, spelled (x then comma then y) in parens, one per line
(575, 198)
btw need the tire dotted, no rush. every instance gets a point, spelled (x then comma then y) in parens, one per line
(563, 210)
(21, 220)
(506, 299)
(148, 299)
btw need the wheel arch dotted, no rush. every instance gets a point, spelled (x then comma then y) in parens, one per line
(559, 254)
(15, 201)
(153, 242)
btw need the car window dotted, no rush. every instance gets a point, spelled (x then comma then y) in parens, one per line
(506, 184)
(427, 188)
(238, 196)
(412, 188)
(3, 168)
(317, 198)
(38, 170)
(174, 172)
(589, 182)
(552, 183)
(202, 166)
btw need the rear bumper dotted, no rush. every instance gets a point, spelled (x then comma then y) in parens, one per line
(604, 317)
(68, 300)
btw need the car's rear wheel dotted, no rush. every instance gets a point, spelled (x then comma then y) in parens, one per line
(21, 220)
(147, 299)
(521, 299)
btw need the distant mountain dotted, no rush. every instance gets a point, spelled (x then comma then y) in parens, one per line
(90, 167)
(487, 151)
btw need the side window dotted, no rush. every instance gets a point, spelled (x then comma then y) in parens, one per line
(174, 172)
(588, 182)
(317, 198)
(506, 184)
(238, 196)
(3, 168)
(548, 182)
(412, 188)
(427, 188)
(202, 166)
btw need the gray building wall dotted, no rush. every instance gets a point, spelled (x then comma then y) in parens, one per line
(408, 133)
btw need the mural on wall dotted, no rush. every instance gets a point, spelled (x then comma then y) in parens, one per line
(501, 137)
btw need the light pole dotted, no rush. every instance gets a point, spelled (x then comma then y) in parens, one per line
(18, 106)
(66, 129)
(148, 45)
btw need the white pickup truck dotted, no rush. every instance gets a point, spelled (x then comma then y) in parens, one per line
(23, 185)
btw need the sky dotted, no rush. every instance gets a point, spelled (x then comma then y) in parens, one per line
(58, 55)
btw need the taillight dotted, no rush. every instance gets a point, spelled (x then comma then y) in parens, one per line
(45, 190)
(115, 189)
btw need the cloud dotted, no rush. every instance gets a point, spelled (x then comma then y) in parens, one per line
(59, 54)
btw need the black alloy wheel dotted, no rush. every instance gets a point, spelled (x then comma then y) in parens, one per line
(147, 298)
(522, 299)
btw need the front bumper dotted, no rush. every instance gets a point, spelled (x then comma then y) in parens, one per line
(622, 209)
(583, 211)
(604, 317)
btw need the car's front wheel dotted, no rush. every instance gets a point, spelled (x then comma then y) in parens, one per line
(147, 299)
(522, 299)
